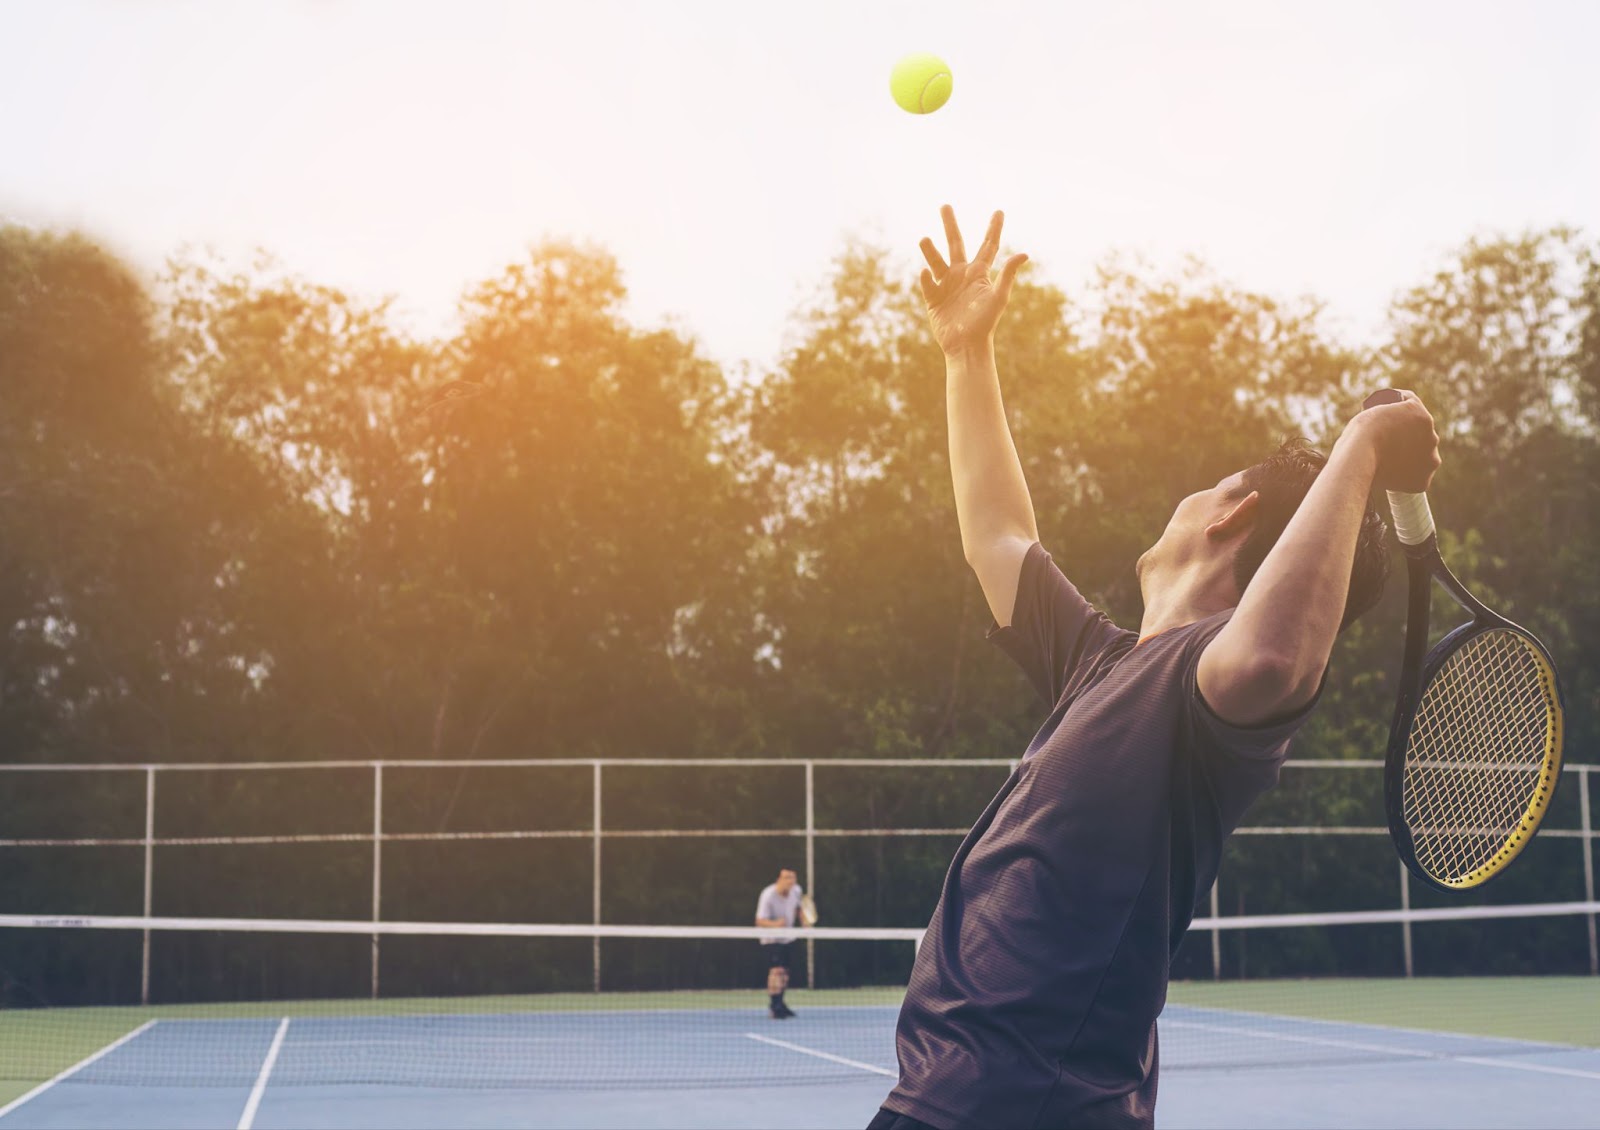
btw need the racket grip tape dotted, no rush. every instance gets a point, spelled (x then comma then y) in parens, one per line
(1413, 517)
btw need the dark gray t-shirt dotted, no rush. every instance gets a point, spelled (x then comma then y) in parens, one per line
(1034, 997)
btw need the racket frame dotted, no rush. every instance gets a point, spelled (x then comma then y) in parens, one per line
(1424, 564)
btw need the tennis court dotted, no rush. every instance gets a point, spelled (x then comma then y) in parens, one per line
(1438, 1014)
(1334, 1052)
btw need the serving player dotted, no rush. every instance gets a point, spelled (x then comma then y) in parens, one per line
(1034, 996)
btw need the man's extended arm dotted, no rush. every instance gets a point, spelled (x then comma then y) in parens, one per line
(993, 507)
(1269, 659)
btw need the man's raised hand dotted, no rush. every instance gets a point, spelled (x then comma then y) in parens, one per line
(964, 303)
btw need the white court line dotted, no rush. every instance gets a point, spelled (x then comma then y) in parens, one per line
(1531, 1045)
(248, 1118)
(823, 1055)
(1514, 1065)
(1387, 1049)
(75, 1068)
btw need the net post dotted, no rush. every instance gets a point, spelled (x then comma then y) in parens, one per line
(1587, 840)
(1216, 935)
(811, 865)
(1405, 927)
(596, 890)
(149, 875)
(377, 864)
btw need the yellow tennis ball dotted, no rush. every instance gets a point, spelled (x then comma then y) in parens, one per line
(920, 83)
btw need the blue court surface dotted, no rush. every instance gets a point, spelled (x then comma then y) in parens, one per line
(830, 1067)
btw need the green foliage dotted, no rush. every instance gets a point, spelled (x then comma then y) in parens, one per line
(227, 534)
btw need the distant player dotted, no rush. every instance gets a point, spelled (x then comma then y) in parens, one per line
(1033, 998)
(779, 907)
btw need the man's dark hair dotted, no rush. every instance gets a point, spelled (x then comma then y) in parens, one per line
(1282, 480)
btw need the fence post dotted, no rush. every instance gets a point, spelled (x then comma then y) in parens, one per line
(1405, 904)
(149, 869)
(597, 873)
(1216, 935)
(377, 864)
(811, 865)
(1587, 840)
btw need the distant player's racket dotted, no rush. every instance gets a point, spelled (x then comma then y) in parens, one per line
(1475, 749)
(808, 910)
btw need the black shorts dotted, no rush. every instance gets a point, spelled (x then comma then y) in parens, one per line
(777, 954)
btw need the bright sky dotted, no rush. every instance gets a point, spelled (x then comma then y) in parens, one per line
(724, 151)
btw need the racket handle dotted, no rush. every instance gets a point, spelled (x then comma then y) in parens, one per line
(1413, 517)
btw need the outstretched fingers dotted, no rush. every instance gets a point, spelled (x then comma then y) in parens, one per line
(990, 247)
(1008, 274)
(952, 235)
(938, 274)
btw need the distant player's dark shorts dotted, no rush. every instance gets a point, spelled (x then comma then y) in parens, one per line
(887, 1119)
(777, 955)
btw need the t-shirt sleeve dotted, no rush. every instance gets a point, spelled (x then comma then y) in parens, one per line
(1053, 628)
(1267, 741)
(765, 907)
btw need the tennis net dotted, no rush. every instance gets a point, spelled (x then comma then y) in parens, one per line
(192, 1002)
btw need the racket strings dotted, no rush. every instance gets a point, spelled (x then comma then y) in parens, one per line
(1478, 754)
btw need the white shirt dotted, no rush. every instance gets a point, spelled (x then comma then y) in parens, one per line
(773, 905)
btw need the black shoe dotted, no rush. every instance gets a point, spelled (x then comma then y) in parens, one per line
(785, 1012)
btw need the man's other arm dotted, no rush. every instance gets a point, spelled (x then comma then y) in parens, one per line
(1269, 659)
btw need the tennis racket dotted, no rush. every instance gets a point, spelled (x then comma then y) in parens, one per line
(1475, 749)
(808, 910)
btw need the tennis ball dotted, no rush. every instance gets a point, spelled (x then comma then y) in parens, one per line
(920, 83)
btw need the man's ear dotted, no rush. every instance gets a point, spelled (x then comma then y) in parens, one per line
(1238, 520)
